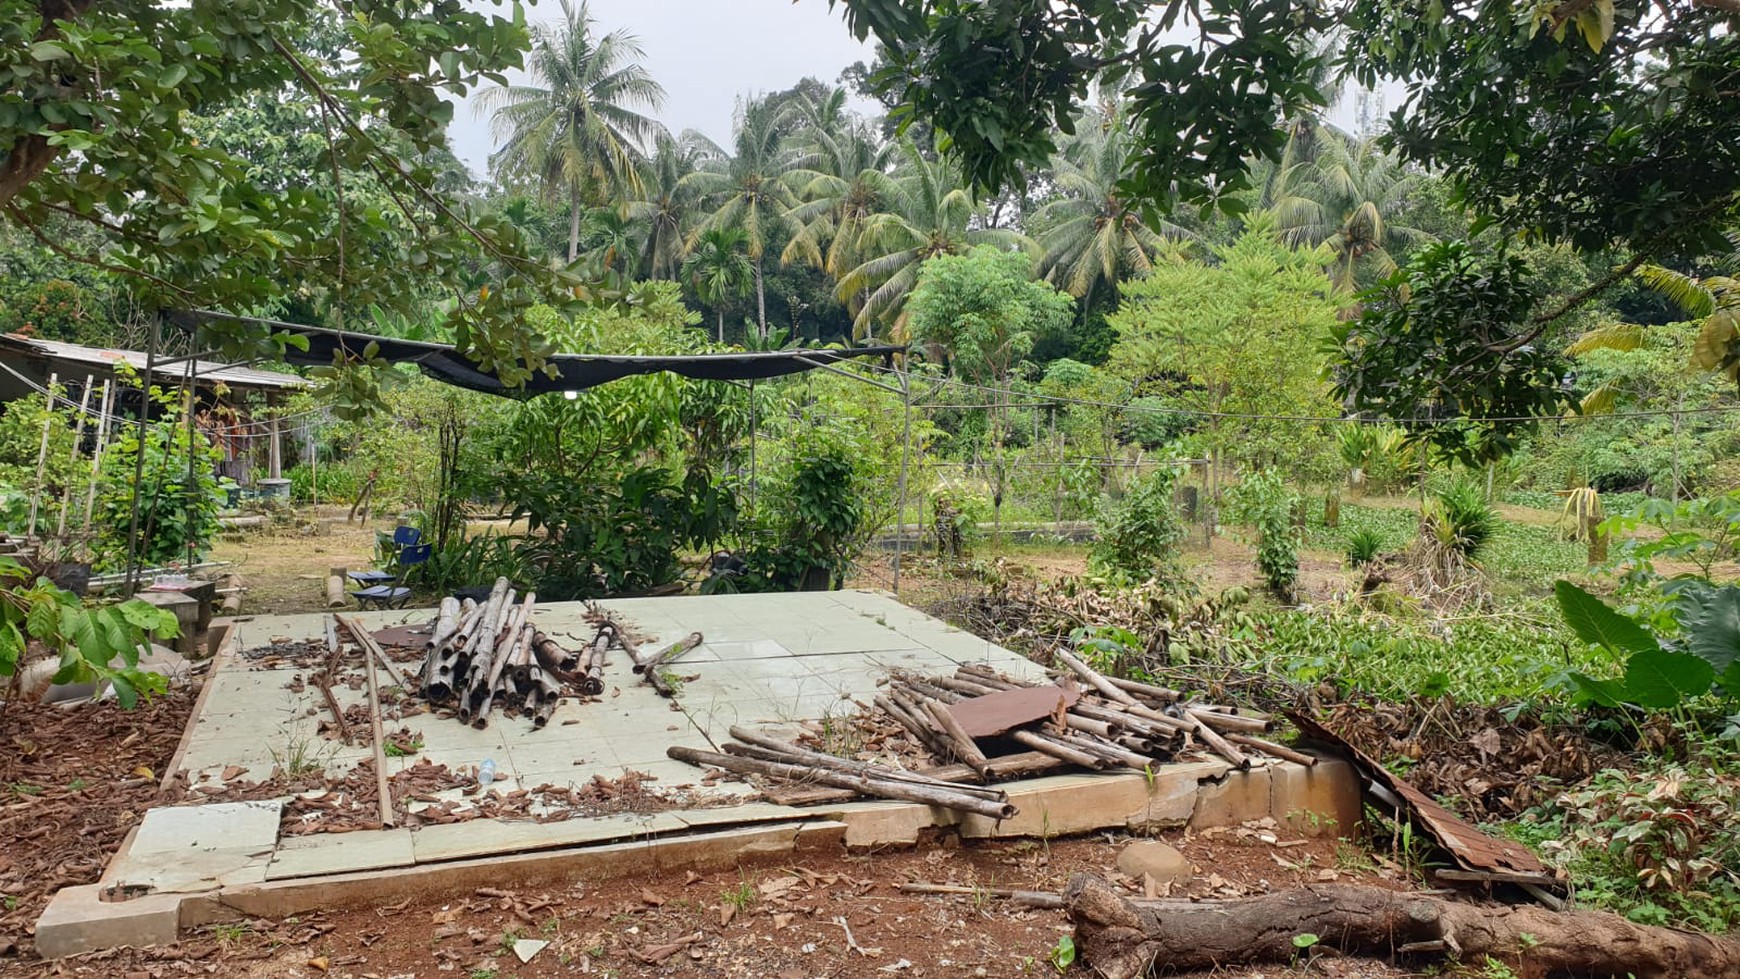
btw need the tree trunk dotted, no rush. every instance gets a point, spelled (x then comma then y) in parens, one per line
(721, 324)
(573, 223)
(760, 301)
(1120, 939)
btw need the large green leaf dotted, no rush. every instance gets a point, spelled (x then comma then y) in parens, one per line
(1710, 618)
(1730, 681)
(1595, 623)
(1607, 693)
(1660, 679)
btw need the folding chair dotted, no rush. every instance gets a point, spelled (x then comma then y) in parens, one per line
(403, 539)
(382, 596)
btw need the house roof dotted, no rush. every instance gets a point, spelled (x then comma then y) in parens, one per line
(204, 371)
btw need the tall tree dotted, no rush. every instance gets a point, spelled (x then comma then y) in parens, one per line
(1349, 195)
(665, 208)
(577, 128)
(750, 186)
(718, 267)
(1094, 235)
(842, 178)
(930, 213)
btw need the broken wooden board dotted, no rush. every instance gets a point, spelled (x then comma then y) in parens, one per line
(1473, 850)
(1005, 710)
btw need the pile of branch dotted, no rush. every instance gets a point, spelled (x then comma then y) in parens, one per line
(485, 654)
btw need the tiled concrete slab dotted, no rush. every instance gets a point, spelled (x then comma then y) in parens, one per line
(312, 856)
(482, 837)
(225, 825)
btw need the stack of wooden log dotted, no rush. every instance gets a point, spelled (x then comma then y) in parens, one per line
(994, 727)
(487, 654)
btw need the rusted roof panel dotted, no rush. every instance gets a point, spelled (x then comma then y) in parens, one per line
(995, 713)
(1472, 849)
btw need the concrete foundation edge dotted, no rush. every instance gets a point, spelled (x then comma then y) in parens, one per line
(1320, 800)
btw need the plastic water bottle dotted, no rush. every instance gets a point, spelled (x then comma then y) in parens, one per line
(486, 773)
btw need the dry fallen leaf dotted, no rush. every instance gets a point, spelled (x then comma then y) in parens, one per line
(321, 963)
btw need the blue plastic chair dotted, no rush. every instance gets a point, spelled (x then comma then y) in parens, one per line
(382, 596)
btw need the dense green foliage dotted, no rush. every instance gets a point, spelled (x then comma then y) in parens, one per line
(1265, 503)
(1138, 536)
(89, 644)
(167, 482)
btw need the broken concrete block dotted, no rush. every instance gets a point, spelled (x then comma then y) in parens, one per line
(77, 920)
(1323, 800)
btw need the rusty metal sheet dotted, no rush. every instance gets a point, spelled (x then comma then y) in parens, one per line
(403, 635)
(1473, 850)
(995, 713)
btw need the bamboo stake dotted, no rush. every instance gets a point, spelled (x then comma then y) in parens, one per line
(383, 786)
(1069, 753)
(372, 650)
(78, 439)
(42, 453)
(97, 455)
(883, 788)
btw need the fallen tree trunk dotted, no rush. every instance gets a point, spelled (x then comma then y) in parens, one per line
(1120, 939)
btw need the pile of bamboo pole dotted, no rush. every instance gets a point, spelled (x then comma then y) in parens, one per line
(487, 654)
(1115, 723)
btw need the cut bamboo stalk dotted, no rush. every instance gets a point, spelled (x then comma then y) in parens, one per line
(669, 653)
(756, 739)
(1093, 677)
(1221, 746)
(446, 623)
(861, 768)
(1111, 752)
(925, 734)
(964, 747)
(1278, 750)
(324, 685)
(1231, 723)
(1069, 753)
(97, 458)
(1146, 690)
(883, 788)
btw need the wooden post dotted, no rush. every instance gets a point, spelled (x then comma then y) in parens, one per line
(78, 437)
(107, 404)
(42, 453)
(275, 445)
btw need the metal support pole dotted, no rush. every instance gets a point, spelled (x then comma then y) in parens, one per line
(900, 490)
(139, 456)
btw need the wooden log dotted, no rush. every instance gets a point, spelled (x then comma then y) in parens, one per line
(1018, 765)
(1111, 752)
(969, 688)
(882, 788)
(1094, 678)
(1221, 746)
(1120, 939)
(335, 597)
(552, 657)
(860, 768)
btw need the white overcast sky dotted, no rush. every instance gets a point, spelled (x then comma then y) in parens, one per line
(707, 53)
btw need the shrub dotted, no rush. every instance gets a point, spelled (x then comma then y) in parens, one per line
(1138, 536)
(1265, 502)
(810, 541)
(1463, 519)
(1363, 545)
(178, 498)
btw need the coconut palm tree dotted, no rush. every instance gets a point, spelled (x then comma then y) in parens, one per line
(1094, 237)
(1348, 196)
(1713, 301)
(749, 188)
(841, 178)
(718, 267)
(576, 128)
(664, 209)
(929, 213)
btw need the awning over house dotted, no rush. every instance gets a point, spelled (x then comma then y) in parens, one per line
(38, 358)
(575, 372)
